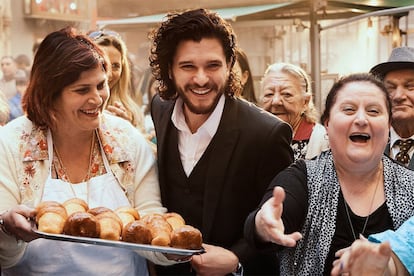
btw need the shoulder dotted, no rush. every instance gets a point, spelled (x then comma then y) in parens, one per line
(121, 140)
(252, 115)
(15, 128)
(157, 103)
(119, 128)
(398, 174)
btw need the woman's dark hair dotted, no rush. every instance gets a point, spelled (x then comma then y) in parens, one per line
(248, 92)
(59, 61)
(357, 77)
(190, 25)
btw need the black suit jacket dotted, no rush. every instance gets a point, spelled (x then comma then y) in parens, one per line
(249, 148)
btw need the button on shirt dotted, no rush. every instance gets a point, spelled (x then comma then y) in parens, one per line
(394, 147)
(192, 145)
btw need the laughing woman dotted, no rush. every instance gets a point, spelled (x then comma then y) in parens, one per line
(354, 189)
(67, 147)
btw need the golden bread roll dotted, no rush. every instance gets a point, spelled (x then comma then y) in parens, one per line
(174, 219)
(111, 225)
(50, 217)
(136, 231)
(82, 224)
(127, 214)
(75, 205)
(98, 210)
(160, 229)
(47, 204)
(186, 237)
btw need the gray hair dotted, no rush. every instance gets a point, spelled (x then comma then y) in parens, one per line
(310, 114)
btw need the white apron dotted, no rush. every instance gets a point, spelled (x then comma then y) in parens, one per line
(49, 257)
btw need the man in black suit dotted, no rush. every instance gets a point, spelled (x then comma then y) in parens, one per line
(216, 152)
(398, 77)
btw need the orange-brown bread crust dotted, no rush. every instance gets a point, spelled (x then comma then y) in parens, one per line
(82, 224)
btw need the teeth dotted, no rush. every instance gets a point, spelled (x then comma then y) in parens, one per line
(90, 111)
(201, 92)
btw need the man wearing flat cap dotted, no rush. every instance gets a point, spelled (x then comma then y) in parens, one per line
(398, 76)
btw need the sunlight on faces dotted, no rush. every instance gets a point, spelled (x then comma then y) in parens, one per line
(115, 59)
(283, 96)
(81, 103)
(400, 86)
(200, 73)
(358, 125)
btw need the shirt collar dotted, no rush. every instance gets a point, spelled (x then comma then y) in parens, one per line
(210, 125)
(394, 137)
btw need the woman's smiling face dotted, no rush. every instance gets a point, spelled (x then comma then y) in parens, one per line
(79, 106)
(358, 125)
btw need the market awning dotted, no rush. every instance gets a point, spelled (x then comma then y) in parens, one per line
(335, 9)
(231, 14)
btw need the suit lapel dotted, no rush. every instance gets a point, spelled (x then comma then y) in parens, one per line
(164, 111)
(161, 113)
(223, 145)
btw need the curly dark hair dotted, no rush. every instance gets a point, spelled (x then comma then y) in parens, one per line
(189, 25)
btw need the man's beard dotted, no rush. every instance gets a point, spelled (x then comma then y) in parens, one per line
(196, 109)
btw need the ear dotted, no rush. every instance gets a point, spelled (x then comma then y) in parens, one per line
(325, 124)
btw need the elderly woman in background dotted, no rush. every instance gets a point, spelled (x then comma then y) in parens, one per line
(66, 147)
(353, 189)
(287, 93)
(121, 102)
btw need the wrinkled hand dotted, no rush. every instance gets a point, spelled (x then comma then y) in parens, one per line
(269, 223)
(119, 110)
(363, 258)
(215, 261)
(17, 222)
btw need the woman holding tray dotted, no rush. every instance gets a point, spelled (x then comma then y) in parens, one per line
(66, 147)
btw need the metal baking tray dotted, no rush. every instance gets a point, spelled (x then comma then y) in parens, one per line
(132, 246)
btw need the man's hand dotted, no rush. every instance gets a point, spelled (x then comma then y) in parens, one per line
(215, 261)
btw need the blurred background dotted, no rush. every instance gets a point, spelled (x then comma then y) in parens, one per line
(326, 38)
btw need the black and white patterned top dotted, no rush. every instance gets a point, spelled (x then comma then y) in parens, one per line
(319, 226)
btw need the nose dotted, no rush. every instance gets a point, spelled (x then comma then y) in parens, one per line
(109, 74)
(399, 93)
(98, 96)
(201, 78)
(361, 118)
(276, 99)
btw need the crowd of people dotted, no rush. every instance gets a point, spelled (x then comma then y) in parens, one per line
(274, 187)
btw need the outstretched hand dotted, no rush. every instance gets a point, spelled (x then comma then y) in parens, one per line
(269, 223)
